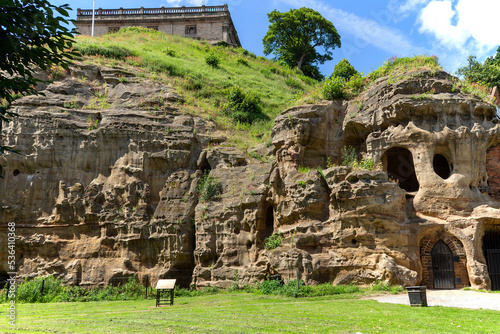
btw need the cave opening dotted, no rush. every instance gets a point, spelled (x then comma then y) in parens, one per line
(441, 166)
(266, 225)
(269, 221)
(400, 167)
(205, 166)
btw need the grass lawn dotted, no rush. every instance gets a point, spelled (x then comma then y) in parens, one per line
(247, 313)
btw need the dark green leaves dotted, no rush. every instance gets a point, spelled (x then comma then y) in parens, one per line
(31, 38)
(295, 36)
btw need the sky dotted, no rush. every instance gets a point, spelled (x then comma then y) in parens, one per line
(371, 31)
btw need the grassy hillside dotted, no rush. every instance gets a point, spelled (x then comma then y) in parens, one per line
(182, 63)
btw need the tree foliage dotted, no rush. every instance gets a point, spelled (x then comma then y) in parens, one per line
(33, 35)
(295, 36)
(488, 72)
(344, 69)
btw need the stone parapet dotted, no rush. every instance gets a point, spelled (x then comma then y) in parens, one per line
(211, 23)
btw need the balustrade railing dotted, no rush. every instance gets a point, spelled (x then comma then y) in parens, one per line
(152, 11)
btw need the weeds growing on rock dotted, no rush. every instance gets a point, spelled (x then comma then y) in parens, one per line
(273, 241)
(208, 188)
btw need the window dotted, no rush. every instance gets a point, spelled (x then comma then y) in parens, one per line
(190, 30)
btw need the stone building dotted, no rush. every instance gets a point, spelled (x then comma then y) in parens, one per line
(210, 23)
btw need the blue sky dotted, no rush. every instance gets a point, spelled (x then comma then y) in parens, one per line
(371, 30)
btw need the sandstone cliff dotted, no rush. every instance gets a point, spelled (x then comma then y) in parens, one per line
(99, 192)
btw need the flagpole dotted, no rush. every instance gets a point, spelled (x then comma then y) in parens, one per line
(93, 11)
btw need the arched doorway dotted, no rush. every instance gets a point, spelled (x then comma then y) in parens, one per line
(491, 250)
(399, 165)
(442, 266)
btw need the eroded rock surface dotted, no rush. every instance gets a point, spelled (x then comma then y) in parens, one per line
(108, 184)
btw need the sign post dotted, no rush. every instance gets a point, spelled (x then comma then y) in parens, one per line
(165, 286)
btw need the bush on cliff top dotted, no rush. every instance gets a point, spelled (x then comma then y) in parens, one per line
(395, 68)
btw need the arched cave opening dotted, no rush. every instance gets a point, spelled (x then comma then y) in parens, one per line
(491, 251)
(400, 167)
(205, 166)
(266, 224)
(441, 166)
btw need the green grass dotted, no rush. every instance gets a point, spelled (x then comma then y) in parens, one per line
(180, 62)
(248, 313)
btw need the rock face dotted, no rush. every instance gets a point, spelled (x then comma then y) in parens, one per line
(114, 180)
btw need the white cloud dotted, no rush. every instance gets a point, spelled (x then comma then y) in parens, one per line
(366, 31)
(470, 24)
(436, 18)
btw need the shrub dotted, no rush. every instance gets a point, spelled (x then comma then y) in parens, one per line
(243, 107)
(169, 52)
(350, 159)
(108, 51)
(344, 70)
(273, 241)
(242, 61)
(349, 156)
(223, 44)
(212, 59)
(354, 85)
(291, 82)
(208, 188)
(53, 291)
(333, 88)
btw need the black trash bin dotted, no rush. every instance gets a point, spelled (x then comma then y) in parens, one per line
(417, 295)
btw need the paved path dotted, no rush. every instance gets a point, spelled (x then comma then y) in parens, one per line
(452, 298)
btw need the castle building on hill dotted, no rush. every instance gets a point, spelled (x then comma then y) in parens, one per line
(210, 23)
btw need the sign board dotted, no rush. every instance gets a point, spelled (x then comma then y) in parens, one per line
(165, 284)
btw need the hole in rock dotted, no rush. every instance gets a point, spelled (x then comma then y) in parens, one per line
(16, 172)
(441, 166)
(400, 167)
(265, 225)
(353, 241)
(205, 166)
(269, 221)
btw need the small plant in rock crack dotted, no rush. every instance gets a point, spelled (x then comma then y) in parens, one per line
(273, 241)
(209, 188)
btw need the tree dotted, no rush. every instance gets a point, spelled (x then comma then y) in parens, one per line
(344, 69)
(33, 36)
(294, 37)
(487, 72)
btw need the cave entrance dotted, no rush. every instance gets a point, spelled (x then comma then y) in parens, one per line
(266, 226)
(441, 166)
(400, 167)
(491, 251)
